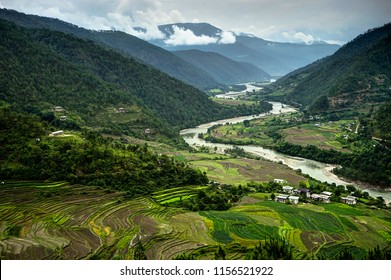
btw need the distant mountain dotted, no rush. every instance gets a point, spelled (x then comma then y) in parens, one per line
(125, 43)
(198, 29)
(277, 59)
(359, 72)
(223, 69)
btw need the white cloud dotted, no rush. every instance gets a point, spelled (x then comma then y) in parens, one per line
(268, 19)
(335, 42)
(227, 37)
(123, 15)
(183, 36)
(298, 37)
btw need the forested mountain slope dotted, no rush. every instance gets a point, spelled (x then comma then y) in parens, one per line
(223, 69)
(97, 87)
(359, 72)
(125, 43)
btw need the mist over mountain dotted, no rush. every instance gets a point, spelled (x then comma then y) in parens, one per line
(277, 59)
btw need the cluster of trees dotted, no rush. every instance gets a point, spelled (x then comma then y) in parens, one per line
(215, 198)
(370, 165)
(271, 249)
(89, 160)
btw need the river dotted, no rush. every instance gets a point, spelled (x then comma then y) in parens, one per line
(317, 170)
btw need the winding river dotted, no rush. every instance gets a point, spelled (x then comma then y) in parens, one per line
(317, 170)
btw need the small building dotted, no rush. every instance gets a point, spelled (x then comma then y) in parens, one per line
(293, 199)
(147, 131)
(321, 197)
(351, 200)
(281, 198)
(279, 181)
(287, 189)
(58, 109)
(302, 192)
(57, 133)
(327, 193)
(63, 118)
(121, 110)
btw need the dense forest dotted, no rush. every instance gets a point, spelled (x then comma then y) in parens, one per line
(124, 43)
(42, 69)
(85, 158)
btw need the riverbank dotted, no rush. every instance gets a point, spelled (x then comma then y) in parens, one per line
(317, 170)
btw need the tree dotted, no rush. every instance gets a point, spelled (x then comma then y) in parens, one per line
(220, 253)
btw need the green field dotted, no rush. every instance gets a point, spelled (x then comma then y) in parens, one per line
(243, 170)
(338, 135)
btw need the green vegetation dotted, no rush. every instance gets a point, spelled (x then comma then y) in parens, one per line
(88, 159)
(62, 221)
(358, 73)
(123, 43)
(88, 193)
(328, 137)
(99, 88)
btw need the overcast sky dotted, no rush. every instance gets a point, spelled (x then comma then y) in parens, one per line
(286, 21)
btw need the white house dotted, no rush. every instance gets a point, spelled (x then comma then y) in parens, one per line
(293, 199)
(287, 189)
(351, 200)
(321, 197)
(327, 193)
(57, 133)
(279, 181)
(58, 109)
(281, 198)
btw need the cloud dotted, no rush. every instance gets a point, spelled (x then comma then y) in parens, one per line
(298, 37)
(183, 36)
(227, 37)
(335, 42)
(129, 16)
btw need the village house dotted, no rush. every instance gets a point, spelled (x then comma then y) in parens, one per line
(63, 118)
(321, 197)
(57, 133)
(302, 192)
(287, 189)
(281, 198)
(279, 181)
(327, 193)
(293, 199)
(351, 200)
(58, 109)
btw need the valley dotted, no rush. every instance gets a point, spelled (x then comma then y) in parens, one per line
(115, 148)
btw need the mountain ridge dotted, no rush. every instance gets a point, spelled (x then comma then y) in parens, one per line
(358, 72)
(277, 59)
(223, 69)
(125, 43)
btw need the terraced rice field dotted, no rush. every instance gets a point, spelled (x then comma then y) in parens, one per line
(41, 220)
(324, 231)
(62, 221)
